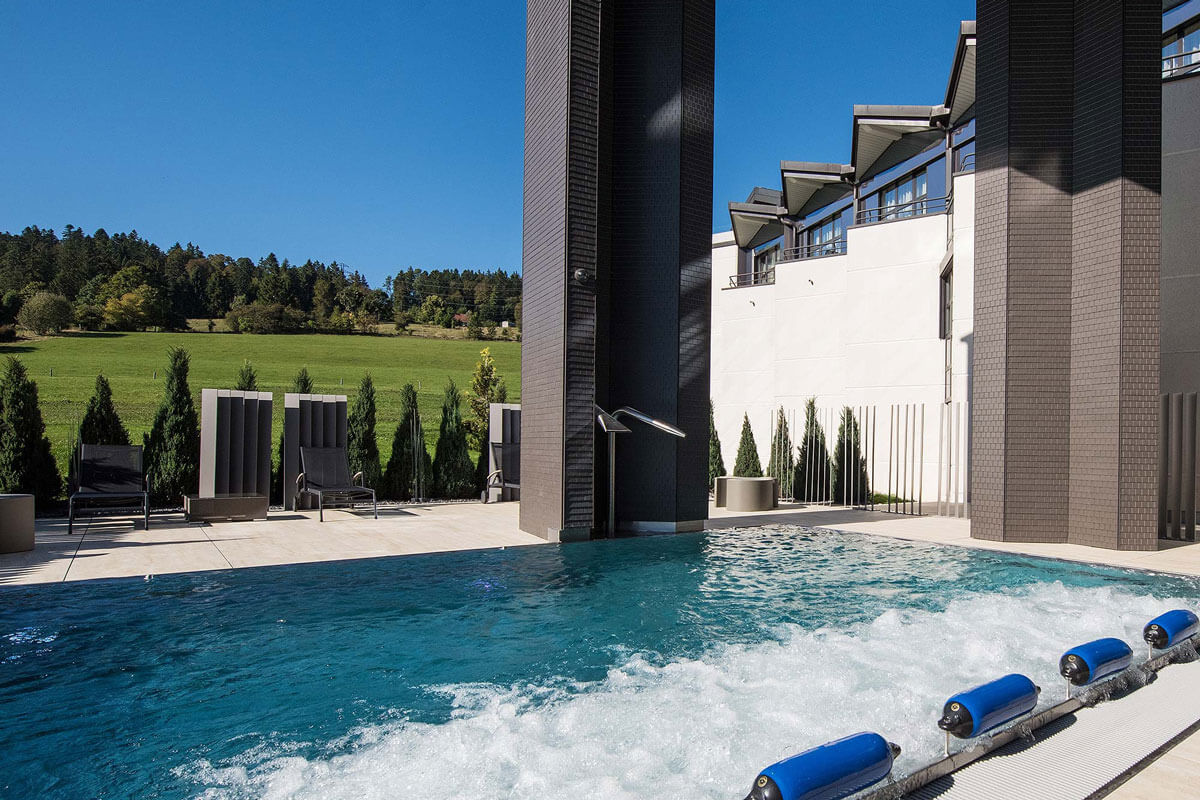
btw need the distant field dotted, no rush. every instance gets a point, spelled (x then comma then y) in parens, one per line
(336, 363)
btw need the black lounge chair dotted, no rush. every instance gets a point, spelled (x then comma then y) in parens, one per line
(507, 474)
(325, 473)
(110, 478)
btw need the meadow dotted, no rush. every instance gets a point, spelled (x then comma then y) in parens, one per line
(65, 369)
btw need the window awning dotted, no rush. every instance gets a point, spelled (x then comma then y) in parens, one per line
(808, 185)
(755, 224)
(960, 94)
(878, 128)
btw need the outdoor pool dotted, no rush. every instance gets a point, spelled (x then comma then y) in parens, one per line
(674, 666)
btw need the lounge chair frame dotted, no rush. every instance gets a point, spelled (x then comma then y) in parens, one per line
(325, 473)
(109, 477)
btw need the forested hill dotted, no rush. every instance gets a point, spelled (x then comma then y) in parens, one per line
(124, 282)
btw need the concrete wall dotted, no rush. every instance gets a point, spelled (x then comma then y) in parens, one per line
(859, 329)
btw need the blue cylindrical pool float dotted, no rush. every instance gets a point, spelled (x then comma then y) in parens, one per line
(829, 771)
(1090, 662)
(976, 711)
(1169, 629)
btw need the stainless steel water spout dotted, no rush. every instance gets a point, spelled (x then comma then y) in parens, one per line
(612, 426)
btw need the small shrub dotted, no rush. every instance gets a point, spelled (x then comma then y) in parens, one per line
(101, 424)
(361, 445)
(26, 463)
(716, 464)
(409, 468)
(747, 464)
(247, 379)
(46, 313)
(851, 485)
(813, 472)
(780, 465)
(173, 444)
(453, 472)
(8, 333)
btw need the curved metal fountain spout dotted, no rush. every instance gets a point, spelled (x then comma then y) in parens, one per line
(612, 426)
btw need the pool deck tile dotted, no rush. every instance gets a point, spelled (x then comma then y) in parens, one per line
(113, 548)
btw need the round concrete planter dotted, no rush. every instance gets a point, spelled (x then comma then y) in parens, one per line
(750, 494)
(16, 523)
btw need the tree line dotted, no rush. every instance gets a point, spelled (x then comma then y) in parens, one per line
(172, 447)
(124, 282)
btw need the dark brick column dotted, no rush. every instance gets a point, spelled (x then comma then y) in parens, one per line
(1067, 261)
(1115, 274)
(1021, 371)
(562, 134)
(617, 249)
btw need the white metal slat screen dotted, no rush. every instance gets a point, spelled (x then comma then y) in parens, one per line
(1177, 467)
(893, 457)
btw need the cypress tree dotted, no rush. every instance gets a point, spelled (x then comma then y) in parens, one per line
(453, 472)
(173, 444)
(747, 464)
(813, 470)
(247, 379)
(780, 466)
(101, 425)
(850, 481)
(716, 464)
(26, 463)
(407, 476)
(361, 446)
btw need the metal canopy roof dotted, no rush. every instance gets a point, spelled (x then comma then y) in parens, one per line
(755, 224)
(762, 196)
(878, 128)
(809, 185)
(960, 93)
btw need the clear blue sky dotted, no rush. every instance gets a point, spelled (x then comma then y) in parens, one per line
(384, 134)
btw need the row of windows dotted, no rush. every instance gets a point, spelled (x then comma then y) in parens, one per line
(1181, 50)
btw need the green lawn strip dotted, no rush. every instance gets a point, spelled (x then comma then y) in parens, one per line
(336, 363)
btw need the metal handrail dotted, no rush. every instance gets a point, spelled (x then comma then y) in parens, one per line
(834, 247)
(764, 277)
(1180, 62)
(965, 163)
(914, 208)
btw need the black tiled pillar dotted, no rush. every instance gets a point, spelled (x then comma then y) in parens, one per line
(618, 194)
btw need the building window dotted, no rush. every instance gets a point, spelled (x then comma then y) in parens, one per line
(1181, 50)
(946, 292)
(946, 326)
(765, 260)
(905, 197)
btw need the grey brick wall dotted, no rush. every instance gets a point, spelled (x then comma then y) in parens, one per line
(1067, 266)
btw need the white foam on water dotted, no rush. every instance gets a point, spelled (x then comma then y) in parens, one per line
(703, 728)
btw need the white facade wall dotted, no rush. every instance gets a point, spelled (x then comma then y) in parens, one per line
(859, 329)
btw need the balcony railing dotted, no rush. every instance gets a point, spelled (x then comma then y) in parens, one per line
(1180, 63)
(837, 247)
(964, 162)
(914, 208)
(764, 277)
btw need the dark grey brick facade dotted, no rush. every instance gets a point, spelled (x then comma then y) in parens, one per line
(1067, 265)
(618, 190)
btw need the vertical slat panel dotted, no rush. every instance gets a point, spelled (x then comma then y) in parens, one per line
(249, 444)
(1188, 481)
(1174, 468)
(233, 437)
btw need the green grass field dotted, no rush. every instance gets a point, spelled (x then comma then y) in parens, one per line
(336, 364)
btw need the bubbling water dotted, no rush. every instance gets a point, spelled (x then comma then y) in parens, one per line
(702, 727)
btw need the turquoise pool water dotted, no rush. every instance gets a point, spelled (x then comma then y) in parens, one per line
(667, 667)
